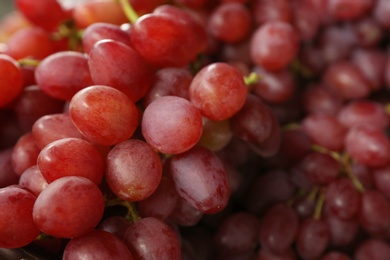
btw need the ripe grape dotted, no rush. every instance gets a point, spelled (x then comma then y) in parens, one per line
(97, 244)
(17, 226)
(68, 207)
(133, 170)
(152, 238)
(71, 157)
(201, 179)
(63, 74)
(172, 124)
(103, 115)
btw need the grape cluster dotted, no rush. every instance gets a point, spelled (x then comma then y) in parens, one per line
(195, 129)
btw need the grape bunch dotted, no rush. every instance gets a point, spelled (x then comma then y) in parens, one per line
(195, 129)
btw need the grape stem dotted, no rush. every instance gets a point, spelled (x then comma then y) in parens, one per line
(28, 62)
(132, 214)
(345, 161)
(252, 78)
(129, 11)
(319, 205)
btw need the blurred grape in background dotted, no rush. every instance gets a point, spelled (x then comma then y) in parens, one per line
(5, 7)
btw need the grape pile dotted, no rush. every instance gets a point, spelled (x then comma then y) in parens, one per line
(195, 129)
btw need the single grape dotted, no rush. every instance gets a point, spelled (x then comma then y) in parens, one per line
(96, 245)
(71, 157)
(68, 207)
(201, 179)
(151, 238)
(17, 226)
(218, 91)
(133, 170)
(103, 115)
(172, 124)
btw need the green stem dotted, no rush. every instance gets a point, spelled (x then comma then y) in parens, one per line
(129, 11)
(252, 78)
(132, 214)
(319, 205)
(29, 62)
(345, 161)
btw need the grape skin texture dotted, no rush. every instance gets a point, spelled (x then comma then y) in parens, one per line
(103, 115)
(17, 227)
(172, 125)
(150, 238)
(201, 179)
(133, 170)
(68, 207)
(218, 91)
(97, 245)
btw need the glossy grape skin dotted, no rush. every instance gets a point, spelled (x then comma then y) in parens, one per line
(33, 180)
(162, 202)
(17, 226)
(198, 168)
(68, 207)
(312, 238)
(11, 80)
(50, 128)
(319, 99)
(103, 115)
(177, 40)
(274, 87)
(361, 113)
(96, 245)
(230, 22)
(115, 64)
(101, 31)
(71, 157)
(30, 42)
(253, 123)
(218, 91)
(47, 14)
(172, 124)
(151, 238)
(24, 153)
(342, 198)
(273, 45)
(133, 170)
(185, 215)
(368, 145)
(169, 82)
(345, 79)
(63, 74)
(325, 130)
(278, 228)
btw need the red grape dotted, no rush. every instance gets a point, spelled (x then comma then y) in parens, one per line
(68, 207)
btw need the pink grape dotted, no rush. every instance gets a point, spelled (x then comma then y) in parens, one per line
(68, 207)
(218, 91)
(172, 125)
(103, 115)
(17, 226)
(197, 168)
(134, 170)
